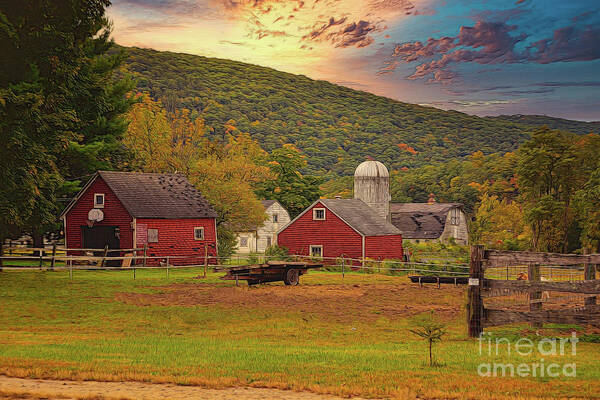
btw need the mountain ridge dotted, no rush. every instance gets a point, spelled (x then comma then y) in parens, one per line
(335, 126)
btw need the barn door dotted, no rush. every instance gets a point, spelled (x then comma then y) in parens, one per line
(97, 237)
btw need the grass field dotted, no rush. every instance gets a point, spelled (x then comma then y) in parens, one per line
(328, 335)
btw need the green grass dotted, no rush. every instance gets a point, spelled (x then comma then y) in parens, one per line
(52, 326)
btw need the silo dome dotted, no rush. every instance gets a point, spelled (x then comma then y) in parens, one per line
(372, 185)
(371, 169)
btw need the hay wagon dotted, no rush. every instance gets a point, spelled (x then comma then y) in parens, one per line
(272, 271)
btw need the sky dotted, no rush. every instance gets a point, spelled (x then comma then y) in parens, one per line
(480, 57)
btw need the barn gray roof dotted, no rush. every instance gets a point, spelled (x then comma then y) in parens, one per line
(154, 195)
(360, 216)
(421, 220)
(268, 203)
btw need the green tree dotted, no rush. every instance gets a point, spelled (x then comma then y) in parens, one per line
(430, 329)
(59, 107)
(588, 204)
(290, 187)
(552, 167)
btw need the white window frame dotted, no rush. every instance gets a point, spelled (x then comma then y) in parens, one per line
(455, 217)
(148, 235)
(315, 214)
(96, 205)
(201, 229)
(275, 218)
(315, 246)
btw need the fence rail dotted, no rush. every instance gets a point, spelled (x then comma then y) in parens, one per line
(98, 262)
(531, 282)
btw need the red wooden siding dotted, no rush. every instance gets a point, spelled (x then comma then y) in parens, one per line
(384, 247)
(333, 234)
(176, 237)
(114, 215)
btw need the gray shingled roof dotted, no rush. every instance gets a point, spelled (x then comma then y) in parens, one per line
(153, 195)
(360, 216)
(421, 220)
(267, 203)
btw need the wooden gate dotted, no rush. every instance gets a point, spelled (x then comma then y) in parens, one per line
(533, 284)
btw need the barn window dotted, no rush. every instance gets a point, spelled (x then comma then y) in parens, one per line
(455, 216)
(275, 218)
(243, 241)
(199, 233)
(98, 200)
(319, 214)
(152, 235)
(316, 251)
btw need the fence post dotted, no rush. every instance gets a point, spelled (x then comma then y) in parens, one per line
(53, 256)
(343, 267)
(70, 268)
(475, 304)
(590, 274)
(535, 298)
(167, 267)
(2, 254)
(41, 258)
(104, 256)
(144, 260)
(205, 259)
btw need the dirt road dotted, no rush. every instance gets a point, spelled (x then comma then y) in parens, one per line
(17, 388)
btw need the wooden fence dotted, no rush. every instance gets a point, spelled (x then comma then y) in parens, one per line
(482, 289)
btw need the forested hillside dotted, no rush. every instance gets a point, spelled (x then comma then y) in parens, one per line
(336, 127)
(536, 121)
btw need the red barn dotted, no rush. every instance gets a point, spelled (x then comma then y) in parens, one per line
(336, 227)
(127, 210)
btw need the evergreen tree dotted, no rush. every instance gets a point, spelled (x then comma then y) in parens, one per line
(61, 112)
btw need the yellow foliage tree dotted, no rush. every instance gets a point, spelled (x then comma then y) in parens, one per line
(500, 224)
(148, 136)
(226, 175)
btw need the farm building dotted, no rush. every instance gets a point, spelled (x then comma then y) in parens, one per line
(419, 222)
(336, 227)
(424, 222)
(262, 237)
(128, 210)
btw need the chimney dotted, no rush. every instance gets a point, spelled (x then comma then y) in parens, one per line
(431, 199)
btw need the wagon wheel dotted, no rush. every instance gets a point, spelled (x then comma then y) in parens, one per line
(291, 277)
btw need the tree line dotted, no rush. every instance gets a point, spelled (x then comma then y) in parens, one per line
(71, 103)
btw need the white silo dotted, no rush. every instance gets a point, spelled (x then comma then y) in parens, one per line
(372, 185)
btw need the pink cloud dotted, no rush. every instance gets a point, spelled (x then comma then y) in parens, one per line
(492, 43)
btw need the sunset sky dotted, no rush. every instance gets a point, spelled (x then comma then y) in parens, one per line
(480, 57)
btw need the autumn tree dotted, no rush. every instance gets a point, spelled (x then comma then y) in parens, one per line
(148, 136)
(227, 179)
(499, 224)
(226, 174)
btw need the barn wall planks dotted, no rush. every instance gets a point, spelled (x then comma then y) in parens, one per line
(176, 237)
(333, 234)
(384, 247)
(114, 215)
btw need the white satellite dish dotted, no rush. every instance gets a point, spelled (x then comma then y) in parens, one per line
(95, 215)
